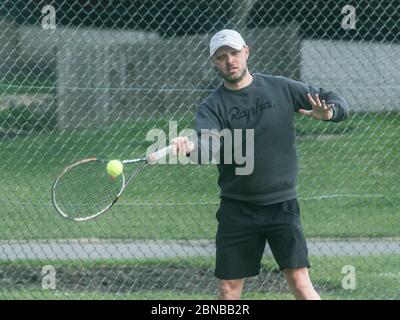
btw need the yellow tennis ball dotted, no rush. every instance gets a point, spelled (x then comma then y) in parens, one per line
(114, 168)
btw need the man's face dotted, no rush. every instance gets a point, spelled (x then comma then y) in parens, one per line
(231, 63)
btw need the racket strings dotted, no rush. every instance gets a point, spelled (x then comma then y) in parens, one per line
(86, 190)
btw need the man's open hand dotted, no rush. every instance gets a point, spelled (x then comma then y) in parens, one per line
(320, 110)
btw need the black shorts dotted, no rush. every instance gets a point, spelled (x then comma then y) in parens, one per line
(243, 230)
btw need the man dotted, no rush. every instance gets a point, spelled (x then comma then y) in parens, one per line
(261, 206)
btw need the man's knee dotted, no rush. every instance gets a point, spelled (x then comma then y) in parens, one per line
(300, 283)
(230, 289)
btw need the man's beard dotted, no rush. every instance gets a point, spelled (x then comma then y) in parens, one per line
(234, 80)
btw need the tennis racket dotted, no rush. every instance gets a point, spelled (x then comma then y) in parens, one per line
(84, 190)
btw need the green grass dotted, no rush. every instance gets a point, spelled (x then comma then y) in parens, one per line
(57, 295)
(354, 163)
(376, 277)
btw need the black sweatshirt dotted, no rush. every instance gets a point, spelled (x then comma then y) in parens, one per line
(267, 105)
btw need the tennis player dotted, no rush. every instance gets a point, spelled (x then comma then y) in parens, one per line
(262, 206)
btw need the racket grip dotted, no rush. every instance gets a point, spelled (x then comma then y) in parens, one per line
(159, 154)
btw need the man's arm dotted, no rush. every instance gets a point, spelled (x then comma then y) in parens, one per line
(317, 102)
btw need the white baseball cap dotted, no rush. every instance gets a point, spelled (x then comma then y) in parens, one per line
(226, 37)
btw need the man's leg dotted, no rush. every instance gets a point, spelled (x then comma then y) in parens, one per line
(230, 289)
(288, 245)
(239, 248)
(300, 284)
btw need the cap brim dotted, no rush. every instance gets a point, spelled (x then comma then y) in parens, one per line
(234, 46)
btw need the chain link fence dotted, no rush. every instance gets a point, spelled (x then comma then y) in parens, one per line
(92, 77)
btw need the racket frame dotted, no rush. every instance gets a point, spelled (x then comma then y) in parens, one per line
(151, 159)
(124, 183)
